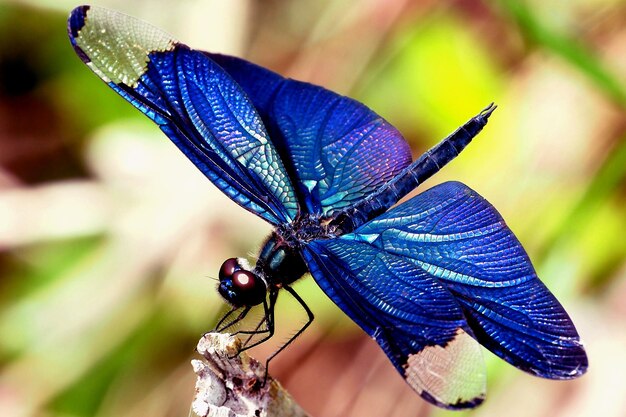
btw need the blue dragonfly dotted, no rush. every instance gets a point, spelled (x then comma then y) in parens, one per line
(430, 279)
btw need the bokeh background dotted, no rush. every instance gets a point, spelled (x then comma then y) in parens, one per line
(109, 237)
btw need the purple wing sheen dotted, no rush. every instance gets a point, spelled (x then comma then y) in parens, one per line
(456, 237)
(336, 149)
(415, 320)
(410, 177)
(194, 101)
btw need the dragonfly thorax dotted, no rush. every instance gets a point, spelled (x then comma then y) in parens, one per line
(280, 263)
(280, 260)
(304, 229)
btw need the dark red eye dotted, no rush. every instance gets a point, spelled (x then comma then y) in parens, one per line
(239, 286)
(244, 280)
(228, 268)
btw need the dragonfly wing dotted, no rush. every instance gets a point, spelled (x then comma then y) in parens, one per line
(194, 101)
(339, 150)
(456, 237)
(415, 320)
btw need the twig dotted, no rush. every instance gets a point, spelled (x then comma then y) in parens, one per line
(230, 384)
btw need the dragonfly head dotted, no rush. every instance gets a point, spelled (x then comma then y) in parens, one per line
(240, 286)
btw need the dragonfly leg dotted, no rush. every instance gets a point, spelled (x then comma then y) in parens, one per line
(310, 318)
(220, 327)
(269, 319)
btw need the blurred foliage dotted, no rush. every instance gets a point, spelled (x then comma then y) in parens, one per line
(108, 235)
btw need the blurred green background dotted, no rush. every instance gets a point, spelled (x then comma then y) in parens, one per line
(109, 236)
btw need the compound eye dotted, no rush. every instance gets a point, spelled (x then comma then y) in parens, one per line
(239, 286)
(244, 280)
(228, 268)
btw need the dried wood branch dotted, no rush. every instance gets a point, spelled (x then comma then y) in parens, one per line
(230, 384)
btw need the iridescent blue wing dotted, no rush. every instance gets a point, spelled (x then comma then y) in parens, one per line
(415, 320)
(336, 149)
(455, 237)
(194, 101)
